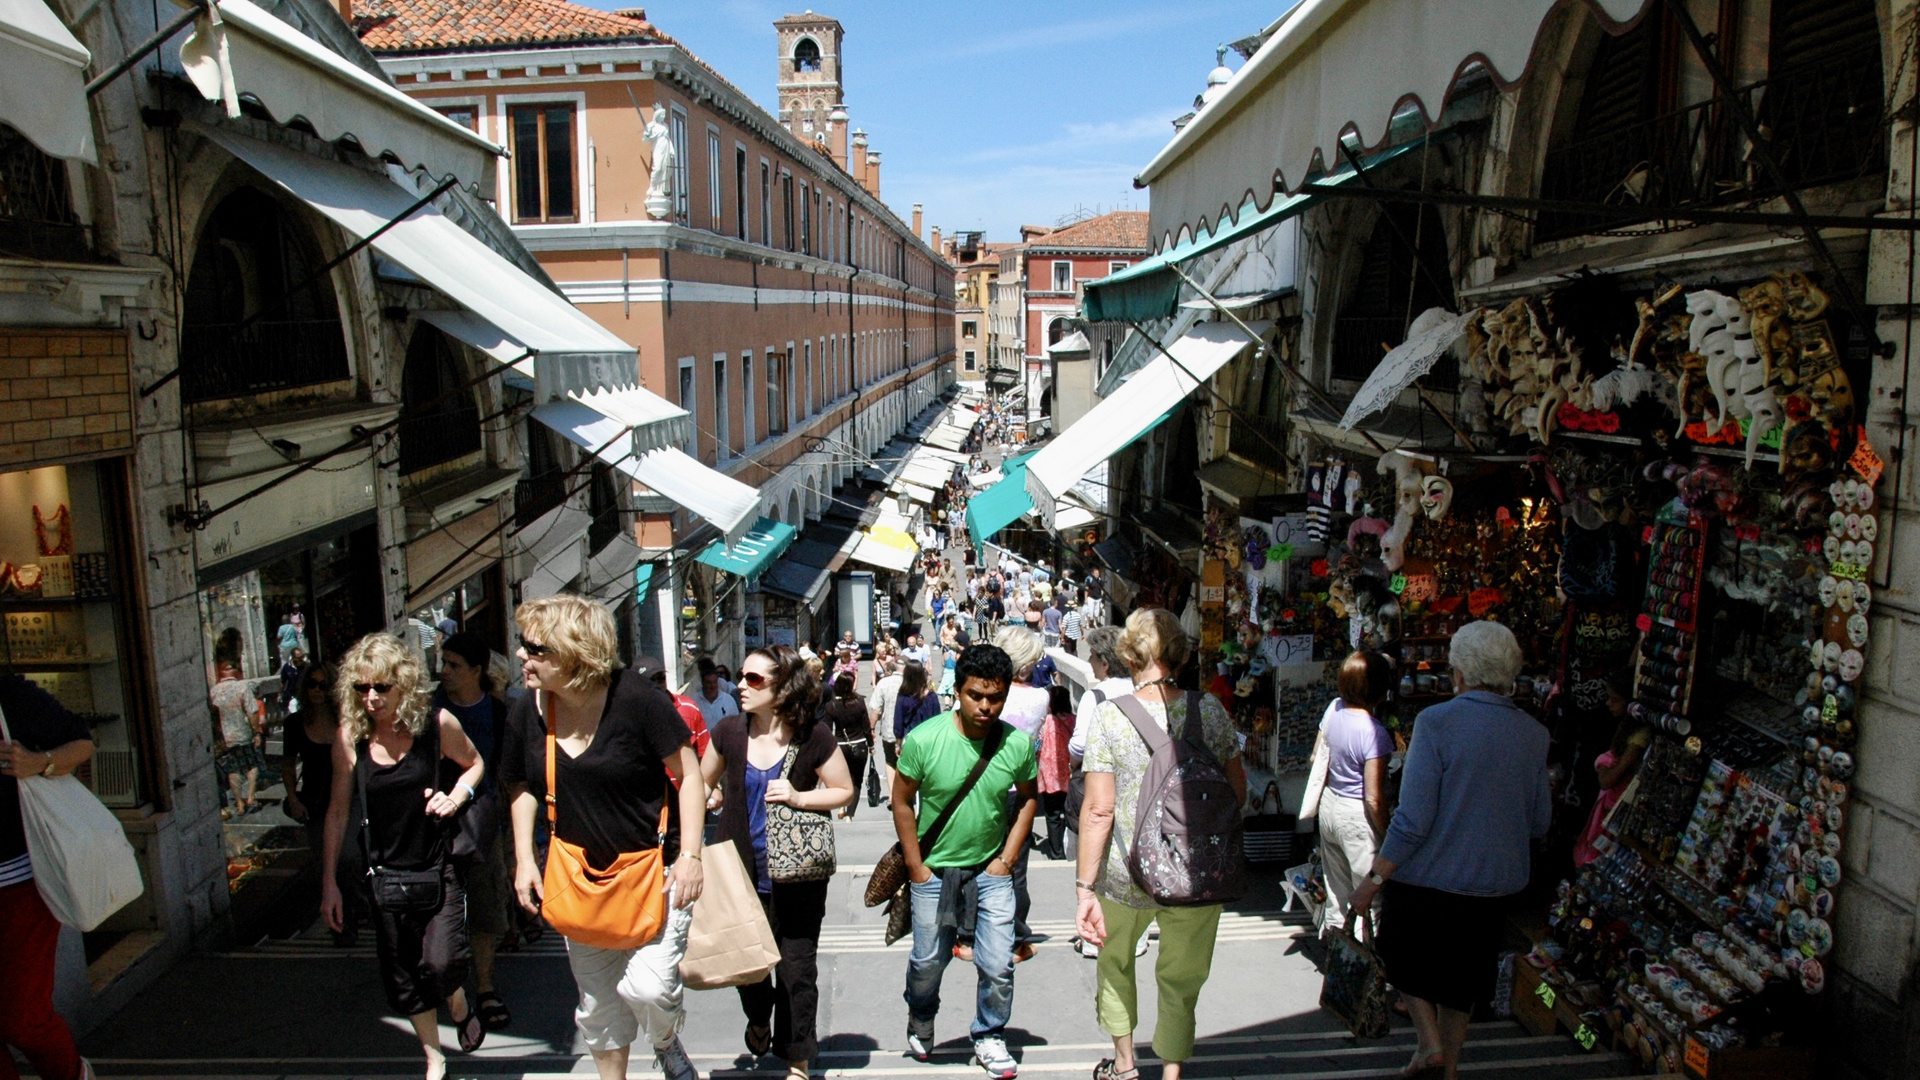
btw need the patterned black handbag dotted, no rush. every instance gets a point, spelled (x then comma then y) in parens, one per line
(799, 842)
(1355, 989)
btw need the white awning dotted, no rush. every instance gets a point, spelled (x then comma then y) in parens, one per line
(465, 326)
(883, 555)
(43, 80)
(912, 491)
(927, 474)
(1068, 516)
(248, 51)
(947, 438)
(1331, 66)
(575, 354)
(605, 425)
(1130, 411)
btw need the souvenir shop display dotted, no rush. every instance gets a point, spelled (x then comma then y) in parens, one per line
(1669, 499)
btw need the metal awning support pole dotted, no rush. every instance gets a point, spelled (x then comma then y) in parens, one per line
(1298, 379)
(1738, 106)
(99, 82)
(1612, 217)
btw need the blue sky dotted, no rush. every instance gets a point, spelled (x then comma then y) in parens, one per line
(991, 113)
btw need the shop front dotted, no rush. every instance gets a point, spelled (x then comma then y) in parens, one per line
(1688, 557)
(289, 561)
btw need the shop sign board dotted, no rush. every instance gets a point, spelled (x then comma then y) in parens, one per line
(313, 500)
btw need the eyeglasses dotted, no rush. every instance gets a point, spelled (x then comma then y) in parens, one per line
(376, 687)
(755, 679)
(533, 649)
(316, 685)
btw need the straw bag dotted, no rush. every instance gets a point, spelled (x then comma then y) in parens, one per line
(1356, 985)
(82, 863)
(729, 942)
(620, 907)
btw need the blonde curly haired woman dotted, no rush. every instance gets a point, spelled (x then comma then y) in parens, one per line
(391, 746)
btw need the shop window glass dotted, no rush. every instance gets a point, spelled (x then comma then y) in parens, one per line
(258, 316)
(60, 558)
(440, 421)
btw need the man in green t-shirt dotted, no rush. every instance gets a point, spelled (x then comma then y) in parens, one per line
(979, 843)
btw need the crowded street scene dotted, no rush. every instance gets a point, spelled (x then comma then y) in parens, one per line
(1339, 539)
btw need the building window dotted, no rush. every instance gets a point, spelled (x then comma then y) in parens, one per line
(722, 430)
(439, 421)
(689, 402)
(766, 203)
(806, 363)
(37, 220)
(713, 177)
(544, 486)
(969, 329)
(971, 363)
(1390, 283)
(467, 116)
(776, 393)
(1116, 266)
(746, 396)
(740, 190)
(786, 207)
(806, 221)
(543, 164)
(1063, 275)
(603, 508)
(682, 200)
(253, 294)
(1058, 329)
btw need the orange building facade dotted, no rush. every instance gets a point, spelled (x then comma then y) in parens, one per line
(767, 288)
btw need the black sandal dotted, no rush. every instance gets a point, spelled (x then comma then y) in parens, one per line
(493, 1012)
(472, 1031)
(759, 1040)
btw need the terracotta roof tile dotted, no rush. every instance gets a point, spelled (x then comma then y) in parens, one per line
(1121, 230)
(390, 27)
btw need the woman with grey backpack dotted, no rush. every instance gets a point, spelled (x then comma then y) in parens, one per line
(1154, 744)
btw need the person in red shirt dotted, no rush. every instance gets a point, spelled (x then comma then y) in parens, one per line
(654, 669)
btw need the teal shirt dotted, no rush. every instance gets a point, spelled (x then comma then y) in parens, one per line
(938, 757)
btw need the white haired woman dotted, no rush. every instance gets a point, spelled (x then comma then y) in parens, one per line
(622, 769)
(391, 746)
(1473, 796)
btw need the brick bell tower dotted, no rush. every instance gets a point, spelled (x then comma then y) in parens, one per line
(809, 82)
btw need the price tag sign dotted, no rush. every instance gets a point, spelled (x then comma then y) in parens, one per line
(1545, 994)
(1586, 1037)
(1696, 1057)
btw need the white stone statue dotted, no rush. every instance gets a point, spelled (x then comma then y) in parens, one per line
(660, 186)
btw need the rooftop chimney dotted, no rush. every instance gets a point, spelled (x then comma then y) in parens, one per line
(935, 242)
(917, 235)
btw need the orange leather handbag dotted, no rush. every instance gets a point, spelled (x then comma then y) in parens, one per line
(620, 907)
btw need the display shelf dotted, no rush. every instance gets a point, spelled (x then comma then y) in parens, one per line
(50, 601)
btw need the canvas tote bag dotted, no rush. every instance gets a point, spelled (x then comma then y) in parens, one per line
(729, 942)
(82, 863)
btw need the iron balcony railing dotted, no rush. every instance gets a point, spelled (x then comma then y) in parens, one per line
(1359, 341)
(536, 495)
(224, 360)
(438, 435)
(1823, 122)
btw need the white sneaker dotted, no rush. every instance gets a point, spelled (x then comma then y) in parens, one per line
(991, 1054)
(673, 1061)
(919, 1041)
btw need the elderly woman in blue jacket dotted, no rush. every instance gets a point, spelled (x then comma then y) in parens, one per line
(1473, 796)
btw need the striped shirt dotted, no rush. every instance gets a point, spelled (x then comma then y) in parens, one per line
(16, 871)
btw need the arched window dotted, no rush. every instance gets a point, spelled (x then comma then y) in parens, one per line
(36, 204)
(1393, 287)
(1058, 329)
(257, 317)
(438, 421)
(806, 55)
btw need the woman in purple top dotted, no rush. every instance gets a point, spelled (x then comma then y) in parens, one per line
(1353, 806)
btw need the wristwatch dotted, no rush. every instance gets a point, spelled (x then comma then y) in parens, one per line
(48, 771)
(1376, 878)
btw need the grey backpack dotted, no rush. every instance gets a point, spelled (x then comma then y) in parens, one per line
(1189, 846)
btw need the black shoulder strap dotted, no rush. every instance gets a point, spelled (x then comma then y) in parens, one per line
(987, 751)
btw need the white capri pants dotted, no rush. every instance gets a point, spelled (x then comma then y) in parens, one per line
(622, 990)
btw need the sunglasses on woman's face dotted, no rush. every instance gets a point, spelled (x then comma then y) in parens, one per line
(376, 687)
(533, 649)
(755, 679)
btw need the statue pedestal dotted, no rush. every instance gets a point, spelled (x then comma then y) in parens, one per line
(659, 205)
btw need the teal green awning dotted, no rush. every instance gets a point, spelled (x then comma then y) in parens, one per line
(642, 582)
(1151, 290)
(999, 506)
(1017, 459)
(755, 551)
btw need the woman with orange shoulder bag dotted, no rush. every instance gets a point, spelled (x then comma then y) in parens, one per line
(599, 749)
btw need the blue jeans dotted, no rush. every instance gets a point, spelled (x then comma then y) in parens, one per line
(992, 954)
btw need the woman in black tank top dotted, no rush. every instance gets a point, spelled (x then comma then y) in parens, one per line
(390, 747)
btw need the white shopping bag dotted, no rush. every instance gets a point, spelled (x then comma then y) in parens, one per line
(81, 860)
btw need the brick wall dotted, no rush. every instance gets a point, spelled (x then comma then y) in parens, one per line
(63, 394)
